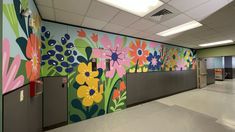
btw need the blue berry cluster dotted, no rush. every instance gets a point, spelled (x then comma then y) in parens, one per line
(59, 54)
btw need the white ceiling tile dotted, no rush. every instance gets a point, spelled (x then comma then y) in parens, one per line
(46, 12)
(129, 31)
(113, 28)
(93, 23)
(206, 9)
(176, 21)
(125, 19)
(75, 6)
(222, 18)
(69, 18)
(142, 24)
(44, 2)
(156, 28)
(184, 5)
(101, 11)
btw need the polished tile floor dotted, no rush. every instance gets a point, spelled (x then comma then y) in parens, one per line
(211, 109)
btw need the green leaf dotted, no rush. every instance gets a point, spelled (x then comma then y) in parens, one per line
(120, 104)
(21, 20)
(93, 110)
(9, 11)
(81, 46)
(82, 59)
(115, 102)
(24, 4)
(88, 52)
(112, 108)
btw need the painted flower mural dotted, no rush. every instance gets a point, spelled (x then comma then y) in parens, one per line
(138, 52)
(154, 61)
(90, 93)
(24, 54)
(116, 54)
(100, 90)
(94, 37)
(9, 79)
(86, 75)
(33, 54)
(181, 65)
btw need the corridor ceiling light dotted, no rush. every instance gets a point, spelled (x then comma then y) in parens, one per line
(180, 28)
(137, 7)
(216, 43)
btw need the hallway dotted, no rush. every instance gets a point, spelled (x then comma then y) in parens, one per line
(202, 110)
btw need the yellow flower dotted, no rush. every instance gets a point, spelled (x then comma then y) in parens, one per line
(171, 65)
(139, 69)
(86, 74)
(90, 93)
(132, 70)
(145, 69)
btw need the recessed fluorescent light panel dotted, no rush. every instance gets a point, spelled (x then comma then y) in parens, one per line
(216, 43)
(137, 7)
(180, 28)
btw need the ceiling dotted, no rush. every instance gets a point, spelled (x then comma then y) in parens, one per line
(217, 17)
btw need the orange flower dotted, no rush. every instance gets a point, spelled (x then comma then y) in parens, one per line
(33, 55)
(94, 37)
(116, 94)
(122, 86)
(81, 33)
(138, 52)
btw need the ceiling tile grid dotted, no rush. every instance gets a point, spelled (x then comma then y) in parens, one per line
(93, 23)
(113, 28)
(184, 5)
(217, 19)
(101, 11)
(44, 2)
(124, 19)
(142, 24)
(69, 18)
(47, 12)
(73, 6)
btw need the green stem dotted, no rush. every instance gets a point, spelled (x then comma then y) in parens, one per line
(110, 95)
(136, 67)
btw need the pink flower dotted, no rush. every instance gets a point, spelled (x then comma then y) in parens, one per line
(117, 55)
(181, 65)
(154, 45)
(9, 80)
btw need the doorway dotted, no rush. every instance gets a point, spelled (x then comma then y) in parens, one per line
(202, 73)
(55, 106)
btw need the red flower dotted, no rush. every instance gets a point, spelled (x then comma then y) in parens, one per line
(116, 94)
(138, 52)
(94, 37)
(122, 86)
(33, 54)
(81, 33)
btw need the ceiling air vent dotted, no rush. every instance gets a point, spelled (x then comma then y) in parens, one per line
(157, 16)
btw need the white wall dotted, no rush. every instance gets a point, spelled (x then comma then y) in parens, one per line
(215, 62)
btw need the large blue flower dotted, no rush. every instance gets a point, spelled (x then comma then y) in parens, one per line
(155, 63)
